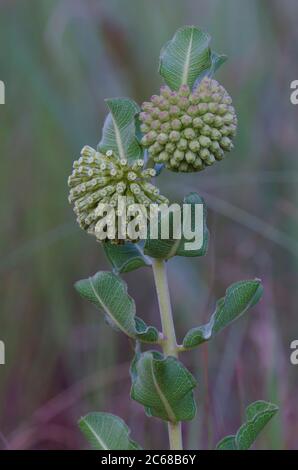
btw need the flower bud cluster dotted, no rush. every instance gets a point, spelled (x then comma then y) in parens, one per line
(187, 131)
(98, 178)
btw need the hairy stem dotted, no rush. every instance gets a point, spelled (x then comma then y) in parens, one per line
(169, 343)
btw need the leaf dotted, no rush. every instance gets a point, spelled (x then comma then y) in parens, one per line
(119, 130)
(227, 443)
(105, 431)
(125, 258)
(258, 414)
(164, 386)
(185, 57)
(216, 61)
(239, 297)
(145, 333)
(109, 293)
(167, 248)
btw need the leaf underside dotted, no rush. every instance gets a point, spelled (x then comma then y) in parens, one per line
(108, 292)
(125, 258)
(187, 58)
(164, 386)
(119, 130)
(239, 297)
(105, 431)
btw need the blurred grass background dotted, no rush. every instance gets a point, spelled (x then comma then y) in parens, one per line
(59, 60)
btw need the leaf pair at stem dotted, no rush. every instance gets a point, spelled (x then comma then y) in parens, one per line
(95, 426)
(120, 309)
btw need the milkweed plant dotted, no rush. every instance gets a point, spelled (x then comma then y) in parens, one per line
(189, 125)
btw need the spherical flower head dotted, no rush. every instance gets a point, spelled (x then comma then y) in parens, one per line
(188, 131)
(100, 179)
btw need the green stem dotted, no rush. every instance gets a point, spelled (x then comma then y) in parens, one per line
(169, 343)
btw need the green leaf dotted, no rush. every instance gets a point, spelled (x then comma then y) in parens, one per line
(145, 333)
(258, 414)
(164, 386)
(125, 258)
(239, 297)
(105, 431)
(167, 248)
(185, 57)
(227, 443)
(109, 293)
(216, 61)
(119, 131)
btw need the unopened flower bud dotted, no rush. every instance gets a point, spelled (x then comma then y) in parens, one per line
(174, 136)
(189, 133)
(186, 120)
(162, 138)
(176, 124)
(173, 98)
(194, 146)
(165, 127)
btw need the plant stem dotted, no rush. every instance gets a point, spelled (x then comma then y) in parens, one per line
(169, 343)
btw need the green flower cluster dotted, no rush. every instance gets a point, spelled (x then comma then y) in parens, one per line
(187, 131)
(101, 179)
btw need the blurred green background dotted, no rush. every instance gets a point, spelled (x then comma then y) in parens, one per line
(59, 60)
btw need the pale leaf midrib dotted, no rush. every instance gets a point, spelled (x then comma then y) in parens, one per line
(105, 307)
(187, 61)
(118, 139)
(102, 443)
(165, 402)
